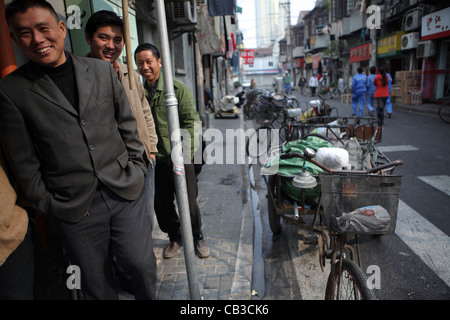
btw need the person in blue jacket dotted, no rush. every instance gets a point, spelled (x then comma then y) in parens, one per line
(388, 101)
(359, 88)
(370, 90)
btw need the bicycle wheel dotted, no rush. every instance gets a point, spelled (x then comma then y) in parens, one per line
(259, 143)
(349, 283)
(444, 113)
(292, 103)
(289, 133)
(248, 111)
(333, 112)
(274, 218)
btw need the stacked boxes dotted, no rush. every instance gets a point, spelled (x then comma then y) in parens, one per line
(407, 87)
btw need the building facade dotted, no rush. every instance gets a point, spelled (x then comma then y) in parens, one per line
(342, 35)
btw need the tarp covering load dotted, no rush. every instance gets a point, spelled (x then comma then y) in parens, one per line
(289, 168)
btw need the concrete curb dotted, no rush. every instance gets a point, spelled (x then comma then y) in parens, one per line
(242, 281)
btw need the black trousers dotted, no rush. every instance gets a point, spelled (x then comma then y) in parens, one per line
(165, 209)
(17, 273)
(117, 228)
(381, 104)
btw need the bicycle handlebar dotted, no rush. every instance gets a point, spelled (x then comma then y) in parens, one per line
(329, 170)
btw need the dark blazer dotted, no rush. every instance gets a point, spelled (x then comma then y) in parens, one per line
(57, 153)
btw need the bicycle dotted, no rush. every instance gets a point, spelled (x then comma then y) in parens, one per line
(444, 112)
(259, 143)
(341, 191)
(320, 109)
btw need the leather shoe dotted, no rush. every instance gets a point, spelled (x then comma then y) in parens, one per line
(201, 248)
(172, 249)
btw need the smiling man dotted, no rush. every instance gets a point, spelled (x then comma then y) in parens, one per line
(148, 61)
(104, 34)
(71, 140)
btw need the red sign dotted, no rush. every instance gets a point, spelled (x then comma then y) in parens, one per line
(299, 62)
(316, 60)
(248, 55)
(360, 53)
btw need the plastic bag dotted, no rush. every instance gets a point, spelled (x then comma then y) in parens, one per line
(364, 220)
(333, 158)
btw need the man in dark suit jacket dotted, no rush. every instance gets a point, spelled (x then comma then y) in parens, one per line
(72, 142)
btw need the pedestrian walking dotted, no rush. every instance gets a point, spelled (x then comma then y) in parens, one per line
(388, 101)
(73, 146)
(148, 61)
(381, 83)
(302, 84)
(287, 83)
(371, 90)
(359, 88)
(313, 84)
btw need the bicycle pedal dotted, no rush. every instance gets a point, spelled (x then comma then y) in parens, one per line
(310, 238)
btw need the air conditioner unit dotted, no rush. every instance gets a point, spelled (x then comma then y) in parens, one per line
(410, 40)
(412, 19)
(425, 49)
(183, 12)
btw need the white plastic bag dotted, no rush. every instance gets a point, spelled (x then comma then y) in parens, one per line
(365, 220)
(333, 158)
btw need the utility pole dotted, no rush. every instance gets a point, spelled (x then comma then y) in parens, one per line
(171, 104)
(290, 42)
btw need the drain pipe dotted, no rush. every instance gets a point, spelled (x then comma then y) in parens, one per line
(171, 104)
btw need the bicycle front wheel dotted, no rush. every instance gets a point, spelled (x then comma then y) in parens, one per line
(348, 283)
(259, 143)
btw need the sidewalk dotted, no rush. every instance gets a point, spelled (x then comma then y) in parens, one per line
(228, 229)
(421, 108)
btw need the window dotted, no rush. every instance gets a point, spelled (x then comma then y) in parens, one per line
(270, 63)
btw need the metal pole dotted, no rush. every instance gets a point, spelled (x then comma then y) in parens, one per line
(126, 27)
(171, 105)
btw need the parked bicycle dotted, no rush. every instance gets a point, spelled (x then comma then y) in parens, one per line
(263, 104)
(340, 191)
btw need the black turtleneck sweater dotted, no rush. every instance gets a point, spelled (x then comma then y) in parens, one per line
(64, 78)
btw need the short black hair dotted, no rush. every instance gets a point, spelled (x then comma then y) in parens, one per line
(360, 70)
(373, 69)
(147, 46)
(101, 19)
(21, 6)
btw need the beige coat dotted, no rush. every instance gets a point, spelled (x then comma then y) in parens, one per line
(13, 219)
(141, 110)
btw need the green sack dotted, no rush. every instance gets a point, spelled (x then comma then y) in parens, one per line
(289, 168)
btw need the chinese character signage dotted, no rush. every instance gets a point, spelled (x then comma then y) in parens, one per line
(360, 53)
(248, 55)
(436, 25)
(390, 45)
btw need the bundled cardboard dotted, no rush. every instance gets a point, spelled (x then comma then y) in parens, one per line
(407, 85)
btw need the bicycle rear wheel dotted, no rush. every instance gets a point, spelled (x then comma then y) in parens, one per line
(444, 113)
(274, 218)
(348, 283)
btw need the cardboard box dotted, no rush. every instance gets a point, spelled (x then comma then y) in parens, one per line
(416, 97)
(396, 91)
(396, 99)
